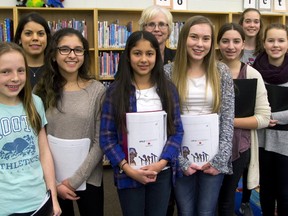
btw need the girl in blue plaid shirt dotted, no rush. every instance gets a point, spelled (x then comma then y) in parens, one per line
(141, 85)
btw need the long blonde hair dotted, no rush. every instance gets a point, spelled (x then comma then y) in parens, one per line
(179, 75)
(25, 95)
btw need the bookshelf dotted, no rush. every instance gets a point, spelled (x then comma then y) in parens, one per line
(6, 13)
(122, 16)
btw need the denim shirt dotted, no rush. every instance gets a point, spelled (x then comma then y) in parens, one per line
(111, 139)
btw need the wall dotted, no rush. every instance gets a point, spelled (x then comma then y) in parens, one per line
(197, 5)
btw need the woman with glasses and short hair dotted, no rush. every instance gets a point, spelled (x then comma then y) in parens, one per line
(159, 22)
(72, 99)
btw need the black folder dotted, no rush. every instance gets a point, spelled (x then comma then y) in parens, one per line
(278, 99)
(245, 97)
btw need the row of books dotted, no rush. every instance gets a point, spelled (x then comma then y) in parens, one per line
(79, 25)
(6, 30)
(173, 38)
(113, 35)
(108, 63)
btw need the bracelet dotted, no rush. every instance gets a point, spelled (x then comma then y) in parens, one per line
(122, 165)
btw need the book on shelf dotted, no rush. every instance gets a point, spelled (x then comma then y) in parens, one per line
(147, 135)
(6, 30)
(201, 137)
(113, 35)
(108, 63)
(173, 38)
(79, 25)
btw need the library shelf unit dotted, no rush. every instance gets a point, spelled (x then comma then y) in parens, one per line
(6, 12)
(93, 16)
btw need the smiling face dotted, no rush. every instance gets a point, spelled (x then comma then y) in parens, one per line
(251, 23)
(276, 45)
(231, 45)
(161, 34)
(199, 42)
(69, 64)
(12, 77)
(142, 59)
(33, 39)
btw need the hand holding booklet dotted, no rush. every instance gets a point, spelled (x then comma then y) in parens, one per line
(68, 155)
(201, 137)
(146, 137)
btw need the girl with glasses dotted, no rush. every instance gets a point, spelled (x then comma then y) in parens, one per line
(72, 98)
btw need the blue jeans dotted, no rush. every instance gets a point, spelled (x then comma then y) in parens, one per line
(149, 200)
(197, 195)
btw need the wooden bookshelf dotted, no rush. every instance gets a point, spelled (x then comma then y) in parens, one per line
(123, 16)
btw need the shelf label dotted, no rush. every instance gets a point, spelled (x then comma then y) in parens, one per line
(179, 4)
(280, 5)
(249, 4)
(265, 5)
(163, 3)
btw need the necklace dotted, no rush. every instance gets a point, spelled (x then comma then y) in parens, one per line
(34, 70)
(143, 92)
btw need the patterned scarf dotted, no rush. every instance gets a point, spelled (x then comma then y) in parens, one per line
(270, 73)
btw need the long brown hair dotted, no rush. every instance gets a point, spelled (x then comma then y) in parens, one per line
(259, 45)
(25, 95)
(179, 76)
(125, 76)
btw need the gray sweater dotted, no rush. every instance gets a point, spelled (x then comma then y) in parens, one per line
(222, 160)
(80, 118)
(275, 140)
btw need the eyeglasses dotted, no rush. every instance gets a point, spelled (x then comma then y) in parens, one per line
(67, 50)
(152, 25)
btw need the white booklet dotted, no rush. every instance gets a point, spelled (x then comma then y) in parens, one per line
(68, 155)
(147, 135)
(201, 137)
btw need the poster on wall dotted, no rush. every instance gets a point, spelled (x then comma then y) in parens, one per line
(163, 3)
(179, 5)
(249, 4)
(280, 5)
(265, 5)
